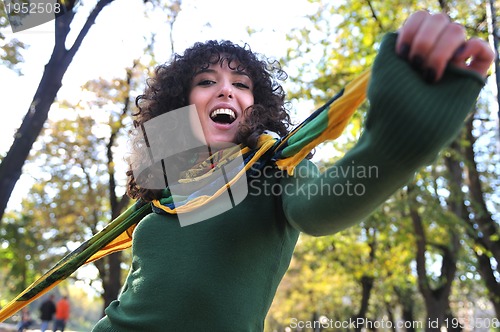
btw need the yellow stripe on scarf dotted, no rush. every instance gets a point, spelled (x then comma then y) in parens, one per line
(265, 143)
(339, 114)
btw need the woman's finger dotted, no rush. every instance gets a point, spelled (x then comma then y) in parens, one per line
(480, 54)
(426, 38)
(451, 39)
(408, 32)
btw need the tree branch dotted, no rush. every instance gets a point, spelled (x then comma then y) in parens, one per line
(86, 27)
(374, 15)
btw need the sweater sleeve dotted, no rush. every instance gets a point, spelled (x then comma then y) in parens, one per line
(409, 121)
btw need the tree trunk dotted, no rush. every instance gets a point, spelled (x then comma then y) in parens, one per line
(316, 322)
(483, 218)
(407, 315)
(487, 274)
(32, 125)
(482, 229)
(366, 280)
(406, 299)
(486, 236)
(366, 286)
(111, 274)
(390, 314)
(436, 300)
(494, 34)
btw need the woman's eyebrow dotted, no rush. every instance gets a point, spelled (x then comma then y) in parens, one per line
(240, 73)
(204, 70)
(213, 71)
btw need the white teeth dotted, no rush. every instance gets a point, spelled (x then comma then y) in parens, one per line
(226, 111)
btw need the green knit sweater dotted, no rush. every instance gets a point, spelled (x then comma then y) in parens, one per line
(221, 274)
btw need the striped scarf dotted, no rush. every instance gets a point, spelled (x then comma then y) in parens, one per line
(326, 123)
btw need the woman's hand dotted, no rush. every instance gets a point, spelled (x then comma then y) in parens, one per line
(431, 41)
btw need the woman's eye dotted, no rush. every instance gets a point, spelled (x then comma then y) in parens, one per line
(241, 85)
(205, 82)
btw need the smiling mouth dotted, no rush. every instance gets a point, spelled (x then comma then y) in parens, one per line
(223, 116)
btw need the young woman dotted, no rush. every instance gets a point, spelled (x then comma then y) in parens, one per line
(221, 274)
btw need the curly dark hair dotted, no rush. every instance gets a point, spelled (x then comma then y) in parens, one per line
(169, 90)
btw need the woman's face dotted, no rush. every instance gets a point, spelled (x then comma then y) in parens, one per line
(220, 95)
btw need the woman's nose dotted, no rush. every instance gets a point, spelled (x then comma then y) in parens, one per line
(226, 90)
